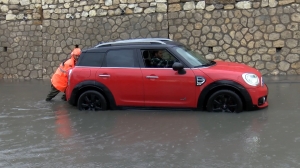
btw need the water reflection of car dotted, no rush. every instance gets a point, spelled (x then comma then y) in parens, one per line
(114, 75)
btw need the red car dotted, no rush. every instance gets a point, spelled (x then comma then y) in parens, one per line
(160, 73)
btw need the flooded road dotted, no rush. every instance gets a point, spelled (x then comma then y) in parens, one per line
(35, 133)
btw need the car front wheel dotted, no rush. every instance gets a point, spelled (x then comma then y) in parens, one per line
(224, 101)
(91, 100)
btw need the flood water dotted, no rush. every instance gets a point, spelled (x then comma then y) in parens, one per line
(35, 133)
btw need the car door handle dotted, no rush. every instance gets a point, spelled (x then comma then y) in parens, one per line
(152, 77)
(105, 76)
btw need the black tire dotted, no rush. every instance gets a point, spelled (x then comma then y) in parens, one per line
(224, 101)
(91, 100)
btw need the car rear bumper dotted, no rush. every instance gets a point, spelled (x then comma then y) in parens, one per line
(71, 97)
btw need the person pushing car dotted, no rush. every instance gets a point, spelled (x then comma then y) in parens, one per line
(59, 80)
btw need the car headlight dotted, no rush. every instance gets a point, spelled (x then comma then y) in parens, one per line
(251, 79)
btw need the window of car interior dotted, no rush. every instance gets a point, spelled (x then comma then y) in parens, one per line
(158, 58)
(91, 59)
(121, 58)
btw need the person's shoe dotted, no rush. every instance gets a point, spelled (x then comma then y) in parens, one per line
(48, 99)
(64, 98)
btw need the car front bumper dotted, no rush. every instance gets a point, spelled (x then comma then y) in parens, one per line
(259, 97)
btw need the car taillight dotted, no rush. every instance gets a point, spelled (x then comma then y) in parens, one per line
(69, 76)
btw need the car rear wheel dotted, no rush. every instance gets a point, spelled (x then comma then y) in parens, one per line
(91, 100)
(224, 101)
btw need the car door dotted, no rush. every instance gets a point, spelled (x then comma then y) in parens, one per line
(164, 87)
(122, 75)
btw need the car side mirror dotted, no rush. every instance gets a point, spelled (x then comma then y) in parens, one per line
(177, 66)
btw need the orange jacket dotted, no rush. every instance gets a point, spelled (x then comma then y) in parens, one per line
(60, 77)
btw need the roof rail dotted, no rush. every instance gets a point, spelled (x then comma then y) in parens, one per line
(135, 41)
(147, 39)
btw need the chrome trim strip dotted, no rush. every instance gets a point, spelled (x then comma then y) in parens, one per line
(107, 76)
(152, 77)
(200, 80)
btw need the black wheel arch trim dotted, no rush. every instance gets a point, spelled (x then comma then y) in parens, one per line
(92, 85)
(225, 84)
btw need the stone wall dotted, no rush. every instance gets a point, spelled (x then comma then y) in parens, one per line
(60, 35)
(36, 35)
(264, 38)
(21, 50)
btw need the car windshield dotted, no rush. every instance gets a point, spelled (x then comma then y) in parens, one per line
(195, 59)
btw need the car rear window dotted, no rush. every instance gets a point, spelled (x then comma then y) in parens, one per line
(91, 59)
(121, 58)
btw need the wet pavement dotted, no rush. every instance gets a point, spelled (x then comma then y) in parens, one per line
(35, 133)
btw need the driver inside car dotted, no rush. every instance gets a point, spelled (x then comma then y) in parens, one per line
(157, 60)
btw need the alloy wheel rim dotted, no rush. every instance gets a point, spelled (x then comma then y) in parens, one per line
(91, 102)
(224, 103)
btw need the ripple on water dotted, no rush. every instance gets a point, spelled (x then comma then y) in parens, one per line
(6, 132)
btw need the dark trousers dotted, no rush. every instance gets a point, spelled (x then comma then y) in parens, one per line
(53, 92)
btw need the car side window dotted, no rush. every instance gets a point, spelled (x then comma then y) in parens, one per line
(159, 58)
(91, 59)
(121, 58)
